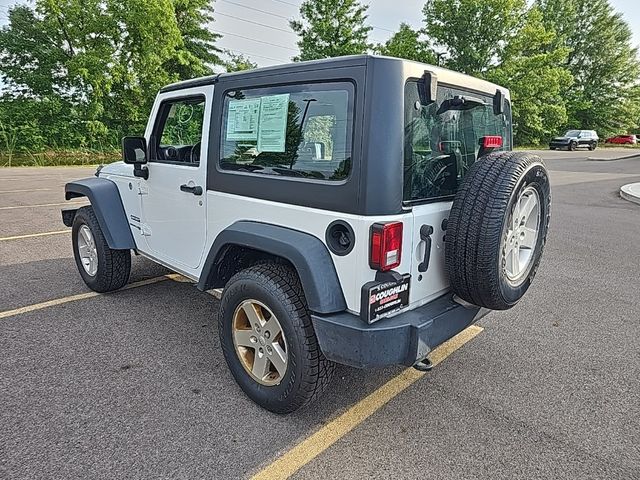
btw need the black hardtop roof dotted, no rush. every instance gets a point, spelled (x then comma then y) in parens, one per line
(444, 75)
(325, 63)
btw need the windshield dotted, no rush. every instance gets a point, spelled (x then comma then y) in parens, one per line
(572, 133)
(442, 139)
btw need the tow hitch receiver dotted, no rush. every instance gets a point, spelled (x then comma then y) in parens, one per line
(423, 365)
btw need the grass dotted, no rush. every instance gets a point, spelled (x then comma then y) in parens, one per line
(56, 158)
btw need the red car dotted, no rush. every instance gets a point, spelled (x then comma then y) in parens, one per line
(622, 139)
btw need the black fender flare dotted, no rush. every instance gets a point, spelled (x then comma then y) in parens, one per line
(307, 253)
(107, 205)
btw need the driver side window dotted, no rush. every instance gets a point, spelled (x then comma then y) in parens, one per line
(178, 132)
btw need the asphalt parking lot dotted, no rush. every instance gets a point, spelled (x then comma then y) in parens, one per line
(133, 384)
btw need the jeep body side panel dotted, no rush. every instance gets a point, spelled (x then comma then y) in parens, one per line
(306, 253)
(107, 205)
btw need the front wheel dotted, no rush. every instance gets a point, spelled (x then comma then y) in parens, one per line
(102, 268)
(573, 146)
(268, 340)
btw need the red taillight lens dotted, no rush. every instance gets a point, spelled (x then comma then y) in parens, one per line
(386, 246)
(492, 141)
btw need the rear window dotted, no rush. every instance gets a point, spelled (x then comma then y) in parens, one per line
(301, 131)
(441, 143)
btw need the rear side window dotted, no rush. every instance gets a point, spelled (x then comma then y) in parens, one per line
(301, 131)
(442, 142)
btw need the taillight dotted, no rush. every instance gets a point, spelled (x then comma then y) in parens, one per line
(386, 246)
(492, 141)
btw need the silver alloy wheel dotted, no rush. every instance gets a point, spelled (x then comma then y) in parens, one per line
(87, 250)
(259, 342)
(521, 236)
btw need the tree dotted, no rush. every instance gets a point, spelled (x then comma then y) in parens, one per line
(605, 95)
(532, 70)
(198, 51)
(85, 72)
(331, 28)
(237, 62)
(406, 43)
(506, 42)
(473, 33)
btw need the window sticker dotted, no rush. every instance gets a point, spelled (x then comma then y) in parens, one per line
(272, 123)
(242, 121)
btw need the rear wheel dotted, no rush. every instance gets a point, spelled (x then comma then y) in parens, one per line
(593, 146)
(497, 229)
(102, 268)
(268, 340)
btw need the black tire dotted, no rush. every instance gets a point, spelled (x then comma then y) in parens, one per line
(593, 146)
(573, 146)
(477, 225)
(114, 266)
(552, 148)
(308, 371)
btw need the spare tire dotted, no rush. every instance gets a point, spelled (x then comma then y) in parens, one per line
(497, 229)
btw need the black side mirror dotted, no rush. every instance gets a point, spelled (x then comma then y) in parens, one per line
(134, 152)
(428, 88)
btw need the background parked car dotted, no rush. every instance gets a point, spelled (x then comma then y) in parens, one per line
(574, 139)
(622, 140)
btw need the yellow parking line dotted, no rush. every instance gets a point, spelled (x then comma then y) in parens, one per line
(14, 207)
(26, 190)
(33, 235)
(291, 461)
(83, 296)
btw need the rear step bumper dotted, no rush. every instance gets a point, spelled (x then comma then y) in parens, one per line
(404, 339)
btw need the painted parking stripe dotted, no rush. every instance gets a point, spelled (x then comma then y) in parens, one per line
(15, 207)
(294, 459)
(26, 190)
(83, 296)
(34, 235)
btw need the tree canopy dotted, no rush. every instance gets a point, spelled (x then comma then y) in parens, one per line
(407, 43)
(85, 72)
(331, 28)
(605, 93)
(80, 74)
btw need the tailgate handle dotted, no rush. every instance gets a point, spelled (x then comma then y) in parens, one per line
(425, 235)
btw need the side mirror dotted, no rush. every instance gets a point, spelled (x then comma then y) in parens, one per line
(134, 150)
(428, 88)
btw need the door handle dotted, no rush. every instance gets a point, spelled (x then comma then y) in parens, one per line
(425, 235)
(196, 190)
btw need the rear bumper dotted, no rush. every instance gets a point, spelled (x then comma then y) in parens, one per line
(403, 339)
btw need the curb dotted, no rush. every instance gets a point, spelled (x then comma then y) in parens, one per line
(625, 157)
(631, 192)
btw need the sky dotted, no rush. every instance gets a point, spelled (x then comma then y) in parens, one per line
(259, 29)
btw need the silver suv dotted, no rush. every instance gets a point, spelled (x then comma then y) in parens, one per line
(574, 139)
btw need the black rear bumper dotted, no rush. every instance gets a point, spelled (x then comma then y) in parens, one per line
(403, 339)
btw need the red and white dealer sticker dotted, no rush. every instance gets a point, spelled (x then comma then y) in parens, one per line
(388, 297)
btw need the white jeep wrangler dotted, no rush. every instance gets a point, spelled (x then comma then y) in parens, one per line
(359, 210)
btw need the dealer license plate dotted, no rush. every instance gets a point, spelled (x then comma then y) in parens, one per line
(385, 298)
